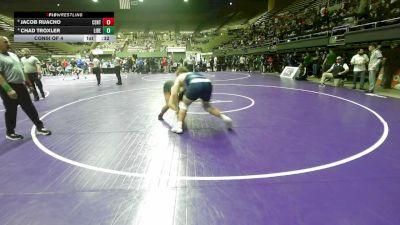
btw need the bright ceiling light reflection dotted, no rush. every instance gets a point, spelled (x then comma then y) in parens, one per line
(158, 207)
(160, 197)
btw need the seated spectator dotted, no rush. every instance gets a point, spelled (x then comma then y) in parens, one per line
(60, 70)
(302, 72)
(336, 72)
(269, 67)
(52, 70)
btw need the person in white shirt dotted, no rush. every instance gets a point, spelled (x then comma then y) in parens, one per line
(373, 67)
(359, 61)
(242, 61)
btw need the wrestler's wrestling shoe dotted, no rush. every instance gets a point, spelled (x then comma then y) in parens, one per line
(177, 128)
(228, 121)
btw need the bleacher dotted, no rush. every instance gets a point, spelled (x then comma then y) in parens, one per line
(35, 50)
(292, 9)
(300, 5)
(49, 47)
(6, 23)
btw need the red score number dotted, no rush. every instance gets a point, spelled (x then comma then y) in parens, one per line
(108, 21)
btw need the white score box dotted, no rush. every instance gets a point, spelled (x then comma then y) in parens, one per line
(89, 38)
(105, 38)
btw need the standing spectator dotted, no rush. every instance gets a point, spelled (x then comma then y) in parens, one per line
(212, 64)
(64, 64)
(13, 92)
(307, 60)
(140, 66)
(97, 69)
(391, 63)
(317, 61)
(242, 61)
(79, 67)
(329, 60)
(359, 61)
(91, 57)
(164, 64)
(52, 70)
(43, 65)
(375, 60)
(170, 64)
(292, 60)
(117, 69)
(33, 70)
(125, 65)
(72, 62)
(130, 62)
(260, 63)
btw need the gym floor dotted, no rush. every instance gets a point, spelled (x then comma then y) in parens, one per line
(298, 154)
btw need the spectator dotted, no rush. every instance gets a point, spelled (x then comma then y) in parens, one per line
(391, 63)
(337, 70)
(359, 61)
(97, 69)
(329, 60)
(375, 60)
(13, 92)
(317, 61)
(307, 60)
(117, 69)
(34, 72)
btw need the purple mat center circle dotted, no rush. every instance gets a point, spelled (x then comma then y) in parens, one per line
(252, 150)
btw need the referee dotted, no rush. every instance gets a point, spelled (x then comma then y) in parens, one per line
(33, 70)
(13, 92)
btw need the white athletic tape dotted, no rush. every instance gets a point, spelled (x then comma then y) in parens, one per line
(183, 106)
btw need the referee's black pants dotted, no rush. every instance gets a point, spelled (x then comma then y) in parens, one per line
(34, 78)
(97, 71)
(117, 70)
(10, 105)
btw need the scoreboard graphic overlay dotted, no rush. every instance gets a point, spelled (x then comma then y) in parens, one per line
(64, 27)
